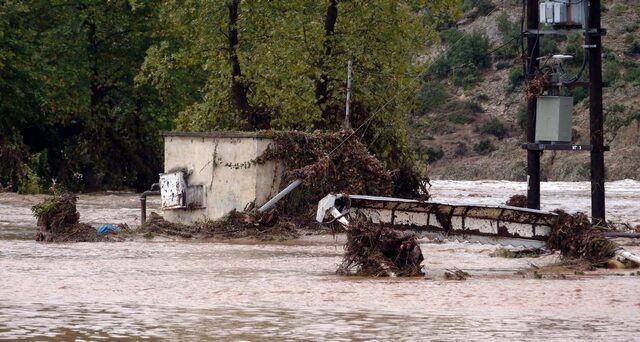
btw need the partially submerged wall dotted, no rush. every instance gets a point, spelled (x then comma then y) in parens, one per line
(224, 162)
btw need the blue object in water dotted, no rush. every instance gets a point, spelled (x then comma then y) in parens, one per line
(107, 228)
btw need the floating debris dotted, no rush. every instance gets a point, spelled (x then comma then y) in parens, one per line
(234, 225)
(375, 250)
(517, 201)
(456, 275)
(575, 237)
(519, 253)
(58, 221)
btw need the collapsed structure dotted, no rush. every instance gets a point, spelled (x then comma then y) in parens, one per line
(214, 181)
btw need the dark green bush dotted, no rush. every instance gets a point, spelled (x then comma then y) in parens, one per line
(610, 72)
(632, 75)
(484, 6)
(634, 48)
(614, 117)
(450, 36)
(494, 127)
(432, 96)
(508, 30)
(460, 117)
(516, 78)
(434, 154)
(502, 64)
(579, 94)
(575, 49)
(464, 60)
(484, 147)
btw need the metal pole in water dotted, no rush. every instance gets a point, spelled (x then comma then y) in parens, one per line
(272, 202)
(533, 156)
(596, 119)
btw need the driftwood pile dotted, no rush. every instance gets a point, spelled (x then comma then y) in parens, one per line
(376, 250)
(233, 226)
(574, 235)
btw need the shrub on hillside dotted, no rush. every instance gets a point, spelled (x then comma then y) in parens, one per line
(521, 116)
(494, 127)
(516, 78)
(465, 59)
(510, 32)
(484, 7)
(432, 96)
(632, 76)
(484, 147)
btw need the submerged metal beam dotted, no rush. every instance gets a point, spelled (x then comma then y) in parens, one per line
(469, 222)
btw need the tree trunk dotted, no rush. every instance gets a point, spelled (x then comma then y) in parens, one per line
(321, 84)
(238, 85)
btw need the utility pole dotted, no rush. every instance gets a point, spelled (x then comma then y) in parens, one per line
(596, 117)
(347, 123)
(533, 156)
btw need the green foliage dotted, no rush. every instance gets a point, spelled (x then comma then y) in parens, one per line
(484, 147)
(89, 84)
(483, 7)
(464, 60)
(508, 31)
(502, 64)
(432, 154)
(631, 27)
(615, 117)
(521, 117)
(574, 48)
(432, 96)
(451, 36)
(632, 75)
(45, 208)
(549, 44)
(579, 94)
(494, 127)
(460, 117)
(634, 48)
(516, 78)
(70, 93)
(611, 73)
(619, 10)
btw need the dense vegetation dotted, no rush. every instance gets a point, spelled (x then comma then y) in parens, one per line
(85, 85)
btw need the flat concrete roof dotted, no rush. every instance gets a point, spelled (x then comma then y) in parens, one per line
(218, 134)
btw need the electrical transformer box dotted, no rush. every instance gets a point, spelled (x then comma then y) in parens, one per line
(569, 13)
(554, 119)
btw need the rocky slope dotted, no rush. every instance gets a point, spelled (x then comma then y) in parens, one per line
(470, 149)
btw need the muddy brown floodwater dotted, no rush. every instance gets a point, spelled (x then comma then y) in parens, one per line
(185, 290)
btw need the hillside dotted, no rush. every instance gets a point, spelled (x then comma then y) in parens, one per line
(471, 125)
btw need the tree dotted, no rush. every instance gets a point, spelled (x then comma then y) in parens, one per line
(70, 94)
(293, 55)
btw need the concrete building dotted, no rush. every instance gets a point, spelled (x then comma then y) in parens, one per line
(206, 175)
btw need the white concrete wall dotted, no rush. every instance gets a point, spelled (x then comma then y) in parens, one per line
(222, 162)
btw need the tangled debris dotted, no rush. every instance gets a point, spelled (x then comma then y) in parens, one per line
(234, 225)
(380, 251)
(575, 237)
(456, 275)
(58, 221)
(516, 254)
(333, 163)
(517, 201)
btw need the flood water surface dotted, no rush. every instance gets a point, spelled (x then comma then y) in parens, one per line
(184, 290)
